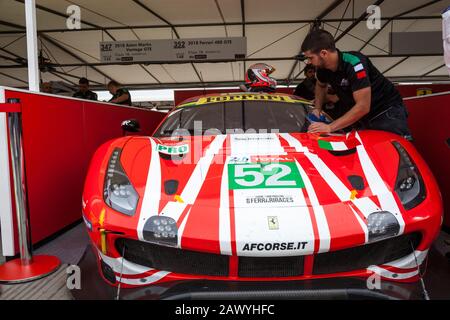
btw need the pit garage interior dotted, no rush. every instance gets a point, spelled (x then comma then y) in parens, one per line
(61, 133)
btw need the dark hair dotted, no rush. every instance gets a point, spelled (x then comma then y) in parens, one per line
(318, 40)
(83, 81)
(113, 83)
(309, 67)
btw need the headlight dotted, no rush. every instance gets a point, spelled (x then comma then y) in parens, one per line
(409, 184)
(119, 194)
(161, 230)
(381, 225)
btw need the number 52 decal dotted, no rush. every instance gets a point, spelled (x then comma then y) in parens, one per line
(264, 175)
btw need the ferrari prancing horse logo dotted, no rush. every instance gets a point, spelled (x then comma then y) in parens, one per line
(273, 223)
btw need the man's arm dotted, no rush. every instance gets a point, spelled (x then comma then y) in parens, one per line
(122, 98)
(332, 98)
(320, 97)
(362, 99)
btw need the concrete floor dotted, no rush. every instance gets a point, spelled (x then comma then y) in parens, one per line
(52, 287)
(70, 247)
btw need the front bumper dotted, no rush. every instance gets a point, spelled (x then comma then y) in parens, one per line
(350, 288)
(148, 264)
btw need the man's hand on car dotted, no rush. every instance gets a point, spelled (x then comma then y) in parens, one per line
(316, 127)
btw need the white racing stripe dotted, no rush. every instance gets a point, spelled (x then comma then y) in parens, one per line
(321, 219)
(129, 268)
(363, 225)
(182, 226)
(378, 186)
(294, 228)
(224, 213)
(294, 142)
(144, 281)
(392, 275)
(254, 144)
(152, 193)
(252, 226)
(411, 261)
(365, 205)
(195, 182)
(339, 146)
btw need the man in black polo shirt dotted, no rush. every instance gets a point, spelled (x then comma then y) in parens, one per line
(84, 92)
(372, 100)
(306, 88)
(120, 95)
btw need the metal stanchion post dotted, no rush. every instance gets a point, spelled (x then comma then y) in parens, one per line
(27, 268)
(20, 189)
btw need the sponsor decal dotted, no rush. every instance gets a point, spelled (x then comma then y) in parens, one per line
(264, 175)
(273, 223)
(243, 97)
(266, 198)
(269, 199)
(260, 159)
(344, 83)
(181, 149)
(255, 138)
(271, 159)
(423, 91)
(239, 159)
(275, 246)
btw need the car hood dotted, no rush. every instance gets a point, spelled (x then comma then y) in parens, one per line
(288, 190)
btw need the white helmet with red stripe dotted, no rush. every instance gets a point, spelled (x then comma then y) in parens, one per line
(257, 78)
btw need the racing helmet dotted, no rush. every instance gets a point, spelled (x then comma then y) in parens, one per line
(257, 78)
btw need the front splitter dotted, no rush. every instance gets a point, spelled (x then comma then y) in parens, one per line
(93, 287)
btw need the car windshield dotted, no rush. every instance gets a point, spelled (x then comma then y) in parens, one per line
(235, 116)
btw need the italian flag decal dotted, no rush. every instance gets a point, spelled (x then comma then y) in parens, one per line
(361, 75)
(338, 145)
(358, 67)
(356, 63)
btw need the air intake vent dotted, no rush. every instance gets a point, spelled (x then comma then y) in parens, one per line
(173, 259)
(361, 257)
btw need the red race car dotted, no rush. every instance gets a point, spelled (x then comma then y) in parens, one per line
(230, 187)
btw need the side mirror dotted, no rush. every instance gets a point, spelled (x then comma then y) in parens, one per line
(131, 125)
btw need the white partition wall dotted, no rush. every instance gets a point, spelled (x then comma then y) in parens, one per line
(6, 217)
